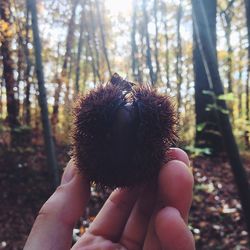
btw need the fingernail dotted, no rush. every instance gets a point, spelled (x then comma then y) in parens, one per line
(68, 174)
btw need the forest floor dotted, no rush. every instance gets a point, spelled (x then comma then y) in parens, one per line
(216, 219)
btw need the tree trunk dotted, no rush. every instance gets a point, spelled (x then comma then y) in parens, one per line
(27, 102)
(1, 97)
(179, 56)
(85, 68)
(207, 131)
(63, 76)
(201, 12)
(49, 144)
(165, 22)
(23, 57)
(89, 51)
(156, 40)
(93, 39)
(79, 50)
(103, 37)
(247, 4)
(148, 52)
(134, 48)
(229, 57)
(8, 72)
(227, 15)
(141, 55)
(240, 70)
(20, 65)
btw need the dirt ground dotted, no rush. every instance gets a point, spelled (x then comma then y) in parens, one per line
(216, 218)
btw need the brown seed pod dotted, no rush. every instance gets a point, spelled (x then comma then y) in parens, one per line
(121, 133)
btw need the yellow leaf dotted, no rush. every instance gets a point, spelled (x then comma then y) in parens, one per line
(4, 26)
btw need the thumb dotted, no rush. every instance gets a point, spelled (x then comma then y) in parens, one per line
(54, 224)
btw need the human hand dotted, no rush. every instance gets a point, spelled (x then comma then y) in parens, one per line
(140, 218)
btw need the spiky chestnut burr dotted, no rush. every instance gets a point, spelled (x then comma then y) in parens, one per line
(121, 133)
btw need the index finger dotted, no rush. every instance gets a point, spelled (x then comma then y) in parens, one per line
(54, 224)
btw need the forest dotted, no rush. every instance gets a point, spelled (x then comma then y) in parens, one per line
(197, 52)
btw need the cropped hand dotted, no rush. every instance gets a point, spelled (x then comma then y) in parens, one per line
(149, 217)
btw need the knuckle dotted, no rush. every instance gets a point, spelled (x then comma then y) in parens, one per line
(44, 213)
(51, 207)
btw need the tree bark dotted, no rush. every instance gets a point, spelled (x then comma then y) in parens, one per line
(240, 70)
(209, 136)
(89, 51)
(63, 77)
(103, 37)
(1, 97)
(179, 56)
(165, 22)
(156, 40)
(148, 52)
(79, 50)
(23, 57)
(209, 58)
(247, 5)
(20, 66)
(134, 48)
(93, 43)
(8, 72)
(27, 103)
(49, 144)
(227, 15)
(142, 48)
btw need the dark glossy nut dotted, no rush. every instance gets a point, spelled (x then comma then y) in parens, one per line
(121, 133)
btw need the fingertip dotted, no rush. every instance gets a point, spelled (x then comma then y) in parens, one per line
(112, 218)
(69, 173)
(167, 214)
(178, 154)
(172, 230)
(176, 172)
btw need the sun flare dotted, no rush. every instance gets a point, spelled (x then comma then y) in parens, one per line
(118, 6)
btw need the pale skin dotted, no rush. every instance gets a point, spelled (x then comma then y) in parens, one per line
(151, 217)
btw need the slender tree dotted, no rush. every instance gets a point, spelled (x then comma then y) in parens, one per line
(227, 15)
(79, 50)
(49, 144)
(240, 70)
(20, 69)
(8, 70)
(201, 15)
(179, 55)
(27, 101)
(103, 36)
(63, 77)
(247, 5)
(166, 36)
(1, 97)
(156, 40)
(89, 51)
(134, 48)
(92, 27)
(148, 48)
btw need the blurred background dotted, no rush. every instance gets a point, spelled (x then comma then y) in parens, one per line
(196, 51)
